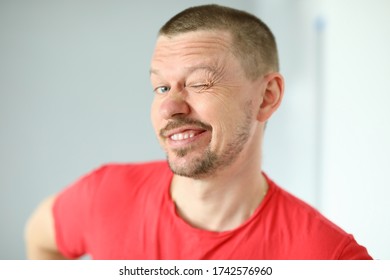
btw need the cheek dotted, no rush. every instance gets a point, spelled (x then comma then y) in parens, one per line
(154, 115)
(219, 113)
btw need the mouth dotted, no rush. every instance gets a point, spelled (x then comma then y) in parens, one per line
(184, 137)
(180, 133)
(184, 134)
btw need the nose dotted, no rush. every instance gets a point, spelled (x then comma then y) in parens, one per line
(174, 105)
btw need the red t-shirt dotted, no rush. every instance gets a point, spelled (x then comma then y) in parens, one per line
(124, 211)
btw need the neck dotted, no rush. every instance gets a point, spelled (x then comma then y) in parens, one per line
(223, 201)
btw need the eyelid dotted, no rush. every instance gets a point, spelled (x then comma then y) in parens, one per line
(201, 85)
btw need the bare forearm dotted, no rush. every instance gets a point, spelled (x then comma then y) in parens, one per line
(36, 253)
(40, 234)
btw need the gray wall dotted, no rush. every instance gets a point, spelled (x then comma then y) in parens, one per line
(74, 94)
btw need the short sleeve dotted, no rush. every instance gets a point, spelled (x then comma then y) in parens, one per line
(353, 251)
(72, 211)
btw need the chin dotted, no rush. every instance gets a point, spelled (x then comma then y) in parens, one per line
(194, 167)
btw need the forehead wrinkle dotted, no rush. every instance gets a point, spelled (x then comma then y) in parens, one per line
(187, 53)
(191, 44)
(200, 50)
(191, 69)
(203, 68)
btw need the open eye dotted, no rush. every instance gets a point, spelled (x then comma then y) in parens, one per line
(162, 89)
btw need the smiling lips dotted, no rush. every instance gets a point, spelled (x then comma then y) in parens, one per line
(181, 136)
(184, 131)
(184, 134)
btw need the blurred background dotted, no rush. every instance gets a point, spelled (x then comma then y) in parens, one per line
(75, 94)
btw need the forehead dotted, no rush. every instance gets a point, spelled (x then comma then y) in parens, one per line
(191, 47)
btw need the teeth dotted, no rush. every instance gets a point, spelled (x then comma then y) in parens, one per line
(181, 136)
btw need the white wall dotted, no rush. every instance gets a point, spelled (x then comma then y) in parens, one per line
(330, 141)
(357, 130)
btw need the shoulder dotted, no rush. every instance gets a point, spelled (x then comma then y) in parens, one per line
(114, 178)
(289, 206)
(129, 171)
(129, 168)
(312, 233)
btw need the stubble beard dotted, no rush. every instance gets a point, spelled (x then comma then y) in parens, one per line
(198, 167)
(209, 162)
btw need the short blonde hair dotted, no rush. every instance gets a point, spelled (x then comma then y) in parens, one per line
(253, 42)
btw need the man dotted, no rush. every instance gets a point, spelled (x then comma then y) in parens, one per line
(215, 76)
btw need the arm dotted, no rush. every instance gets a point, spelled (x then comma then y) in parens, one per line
(40, 233)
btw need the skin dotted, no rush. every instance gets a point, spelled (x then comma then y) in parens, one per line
(201, 89)
(40, 233)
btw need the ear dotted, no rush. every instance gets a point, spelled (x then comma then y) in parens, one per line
(272, 96)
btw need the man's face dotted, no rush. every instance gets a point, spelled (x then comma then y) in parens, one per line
(204, 110)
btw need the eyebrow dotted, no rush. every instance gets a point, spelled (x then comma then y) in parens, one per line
(207, 68)
(154, 71)
(190, 70)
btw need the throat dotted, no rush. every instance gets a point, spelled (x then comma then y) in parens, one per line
(217, 209)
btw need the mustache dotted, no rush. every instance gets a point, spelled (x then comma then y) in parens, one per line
(182, 121)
